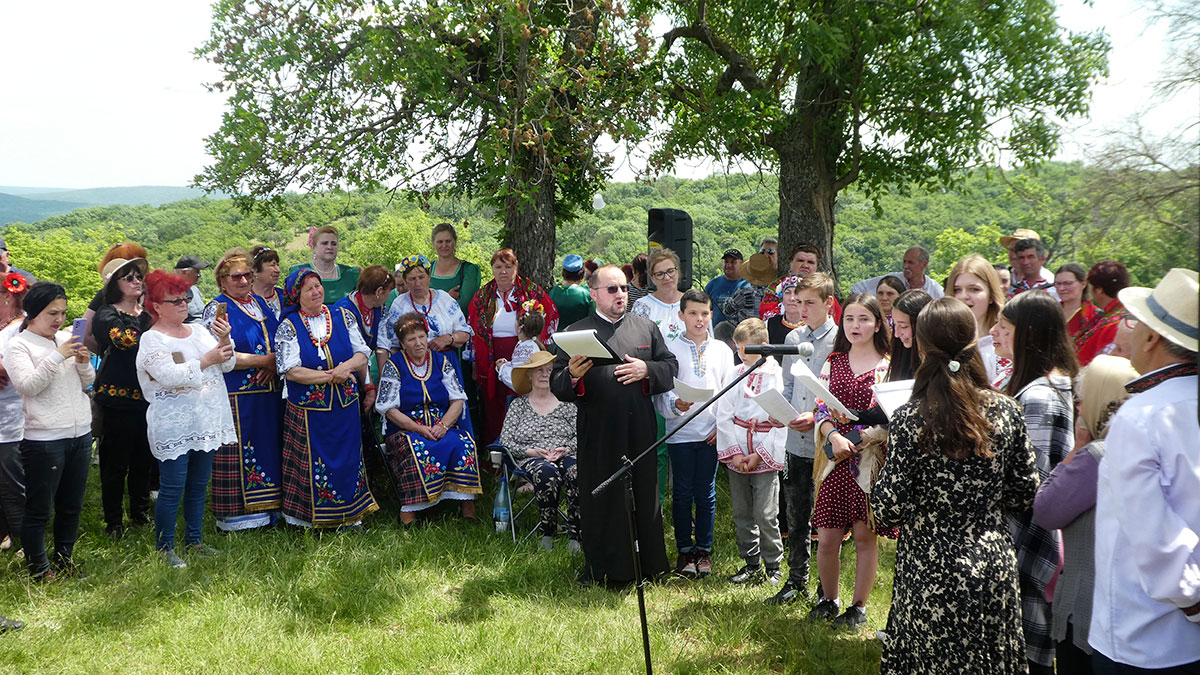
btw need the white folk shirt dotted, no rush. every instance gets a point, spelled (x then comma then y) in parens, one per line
(1148, 530)
(742, 427)
(704, 366)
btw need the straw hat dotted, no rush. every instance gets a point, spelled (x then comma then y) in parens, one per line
(116, 264)
(759, 271)
(520, 374)
(1018, 235)
(1170, 308)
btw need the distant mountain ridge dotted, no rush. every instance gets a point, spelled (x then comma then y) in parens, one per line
(30, 204)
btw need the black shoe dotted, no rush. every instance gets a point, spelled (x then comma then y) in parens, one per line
(853, 618)
(685, 566)
(774, 575)
(748, 575)
(115, 531)
(788, 593)
(68, 569)
(825, 610)
(7, 625)
(703, 564)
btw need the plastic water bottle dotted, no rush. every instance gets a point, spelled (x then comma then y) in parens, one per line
(502, 507)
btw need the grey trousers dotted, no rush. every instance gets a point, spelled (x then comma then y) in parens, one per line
(755, 503)
(798, 493)
(12, 490)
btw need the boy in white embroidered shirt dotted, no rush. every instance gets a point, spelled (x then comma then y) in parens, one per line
(753, 450)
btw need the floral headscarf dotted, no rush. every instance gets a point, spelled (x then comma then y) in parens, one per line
(291, 290)
(786, 283)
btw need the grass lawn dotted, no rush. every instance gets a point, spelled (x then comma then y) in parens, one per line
(446, 598)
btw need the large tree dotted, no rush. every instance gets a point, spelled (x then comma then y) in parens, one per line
(886, 94)
(502, 100)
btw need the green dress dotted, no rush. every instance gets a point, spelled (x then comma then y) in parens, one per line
(335, 289)
(466, 278)
(573, 302)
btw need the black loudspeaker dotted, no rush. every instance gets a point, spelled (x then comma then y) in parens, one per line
(672, 228)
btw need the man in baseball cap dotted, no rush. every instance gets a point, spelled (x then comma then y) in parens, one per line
(571, 297)
(1146, 611)
(189, 267)
(720, 288)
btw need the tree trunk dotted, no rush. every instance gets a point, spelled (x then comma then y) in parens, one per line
(806, 198)
(530, 225)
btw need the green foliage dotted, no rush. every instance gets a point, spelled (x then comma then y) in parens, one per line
(58, 256)
(398, 234)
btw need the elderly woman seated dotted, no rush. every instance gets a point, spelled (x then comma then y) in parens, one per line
(539, 432)
(430, 451)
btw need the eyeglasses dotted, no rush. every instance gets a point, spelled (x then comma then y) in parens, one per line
(132, 277)
(178, 302)
(666, 273)
(623, 288)
(244, 276)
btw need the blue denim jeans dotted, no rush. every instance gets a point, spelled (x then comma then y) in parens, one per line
(184, 478)
(55, 478)
(695, 471)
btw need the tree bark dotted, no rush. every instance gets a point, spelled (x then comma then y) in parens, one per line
(530, 225)
(806, 197)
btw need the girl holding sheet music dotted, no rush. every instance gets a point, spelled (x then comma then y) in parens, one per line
(859, 360)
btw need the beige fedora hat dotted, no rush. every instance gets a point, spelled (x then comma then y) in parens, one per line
(1018, 235)
(759, 271)
(1170, 308)
(520, 374)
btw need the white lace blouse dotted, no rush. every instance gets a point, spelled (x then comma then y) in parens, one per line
(443, 314)
(189, 407)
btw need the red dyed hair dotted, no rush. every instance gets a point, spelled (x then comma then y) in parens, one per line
(505, 255)
(159, 285)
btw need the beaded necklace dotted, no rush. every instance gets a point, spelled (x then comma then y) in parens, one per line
(417, 308)
(368, 316)
(320, 344)
(428, 364)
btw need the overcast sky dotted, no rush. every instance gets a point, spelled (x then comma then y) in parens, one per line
(109, 94)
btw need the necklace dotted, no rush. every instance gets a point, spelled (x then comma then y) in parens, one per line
(368, 316)
(427, 363)
(328, 326)
(787, 323)
(427, 309)
(325, 274)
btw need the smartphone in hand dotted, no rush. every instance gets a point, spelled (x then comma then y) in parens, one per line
(78, 327)
(853, 436)
(222, 310)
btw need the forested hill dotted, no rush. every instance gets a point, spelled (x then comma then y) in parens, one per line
(728, 211)
(25, 204)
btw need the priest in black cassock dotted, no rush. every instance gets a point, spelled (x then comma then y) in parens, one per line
(616, 417)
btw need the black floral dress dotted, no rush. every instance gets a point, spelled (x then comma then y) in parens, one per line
(955, 605)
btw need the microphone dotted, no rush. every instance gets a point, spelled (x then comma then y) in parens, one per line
(802, 349)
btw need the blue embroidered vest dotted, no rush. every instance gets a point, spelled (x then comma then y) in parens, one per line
(372, 337)
(250, 336)
(337, 350)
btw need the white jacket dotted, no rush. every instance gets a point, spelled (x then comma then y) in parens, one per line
(52, 387)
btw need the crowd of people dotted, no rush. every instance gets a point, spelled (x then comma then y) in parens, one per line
(1041, 477)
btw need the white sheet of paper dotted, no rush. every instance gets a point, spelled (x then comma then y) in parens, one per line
(692, 394)
(892, 395)
(583, 343)
(806, 378)
(775, 405)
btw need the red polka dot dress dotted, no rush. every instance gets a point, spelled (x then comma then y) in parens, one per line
(840, 501)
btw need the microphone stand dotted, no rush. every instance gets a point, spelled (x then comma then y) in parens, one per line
(625, 472)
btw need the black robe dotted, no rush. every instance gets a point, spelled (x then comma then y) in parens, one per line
(615, 420)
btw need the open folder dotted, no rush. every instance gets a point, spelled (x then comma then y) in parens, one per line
(586, 343)
(805, 378)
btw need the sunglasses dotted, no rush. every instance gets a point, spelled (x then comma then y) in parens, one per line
(132, 277)
(768, 251)
(614, 289)
(178, 302)
(244, 276)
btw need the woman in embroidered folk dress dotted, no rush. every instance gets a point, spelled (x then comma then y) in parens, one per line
(365, 304)
(1070, 281)
(323, 357)
(180, 369)
(1031, 331)
(266, 276)
(493, 318)
(124, 449)
(858, 361)
(430, 450)
(974, 282)
(447, 327)
(662, 306)
(959, 458)
(247, 476)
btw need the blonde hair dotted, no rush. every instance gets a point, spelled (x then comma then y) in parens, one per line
(233, 256)
(975, 264)
(658, 255)
(751, 332)
(1101, 386)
